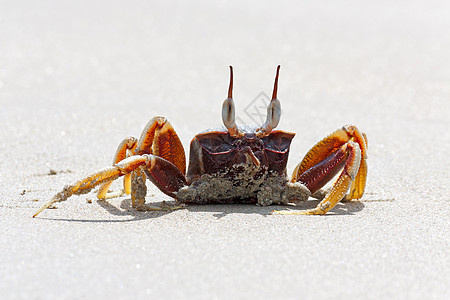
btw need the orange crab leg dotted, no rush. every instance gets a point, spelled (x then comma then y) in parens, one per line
(359, 184)
(125, 149)
(342, 185)
(159, 138)
(164, 174)
(323, 149)
(86, 184)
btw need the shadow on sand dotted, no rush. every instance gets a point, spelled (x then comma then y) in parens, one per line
(219, 210)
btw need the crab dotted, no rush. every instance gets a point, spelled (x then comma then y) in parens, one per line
(232, 164)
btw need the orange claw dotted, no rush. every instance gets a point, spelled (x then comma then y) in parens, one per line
(342, 185)
(145, 143)
(165, 175)
(321, 151)
(325, 152)
(167, 145)
(340, 188)
(328, 145)
(159, 138)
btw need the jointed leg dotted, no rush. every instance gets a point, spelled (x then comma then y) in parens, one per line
(341, 186)
(139, 189)
(158, 138)
(125, 149)
(165, 175)
(359, 183)
(324, 149)
(86, 184)
(345, 148)
(163, 149)
(343, 182)
(166, 167)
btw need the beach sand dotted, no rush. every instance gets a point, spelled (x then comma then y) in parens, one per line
(75, 79)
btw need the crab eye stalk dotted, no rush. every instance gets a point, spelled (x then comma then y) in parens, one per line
(228, 110)
(228, 114)
(273, 109)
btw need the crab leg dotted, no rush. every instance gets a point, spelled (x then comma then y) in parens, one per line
(349, 153)
(162, 173)
(86, 184)
(342, 184)
(323, 149)
(126, 147)
(158, 138)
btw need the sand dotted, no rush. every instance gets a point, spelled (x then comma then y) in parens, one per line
(75, 79)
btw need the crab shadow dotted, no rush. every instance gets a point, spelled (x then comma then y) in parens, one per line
(219, 210)
(222, 210)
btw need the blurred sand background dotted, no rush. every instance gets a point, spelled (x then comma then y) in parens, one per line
(77, 77)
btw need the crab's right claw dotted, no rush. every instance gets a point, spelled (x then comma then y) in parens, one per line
(164, 174)
(350, 154)
(158, 138)
(345, 148)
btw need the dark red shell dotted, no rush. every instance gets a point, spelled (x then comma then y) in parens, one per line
(216, 152)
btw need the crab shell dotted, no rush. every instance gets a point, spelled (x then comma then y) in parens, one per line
(216, 152)
(238, 169)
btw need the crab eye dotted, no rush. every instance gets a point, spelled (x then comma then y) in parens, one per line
(228, 113)
(273, 110)
(228, 110)
(273, 113)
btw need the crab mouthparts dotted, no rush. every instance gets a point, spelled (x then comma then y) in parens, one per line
(251, 158)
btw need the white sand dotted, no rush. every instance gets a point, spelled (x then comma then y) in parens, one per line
(76, 79)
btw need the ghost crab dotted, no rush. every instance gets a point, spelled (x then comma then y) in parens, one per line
(232, 164)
